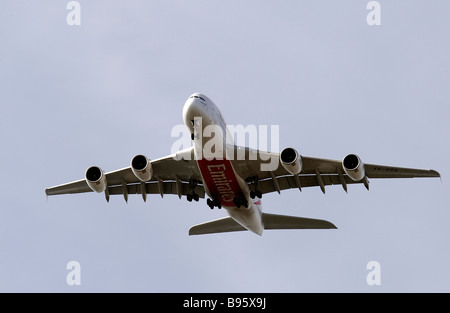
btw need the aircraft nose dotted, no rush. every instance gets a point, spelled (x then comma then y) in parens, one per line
(199, 96)
(195, 106)
(199, 99)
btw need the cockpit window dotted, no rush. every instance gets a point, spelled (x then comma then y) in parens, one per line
(197, 98)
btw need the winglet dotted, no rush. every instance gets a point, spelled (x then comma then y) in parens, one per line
(435, 173)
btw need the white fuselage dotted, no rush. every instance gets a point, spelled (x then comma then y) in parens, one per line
(220, 180)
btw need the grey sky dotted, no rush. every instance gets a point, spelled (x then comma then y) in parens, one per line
(113, 87)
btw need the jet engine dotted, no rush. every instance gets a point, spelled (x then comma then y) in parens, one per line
(291, 161)
(353, 167)
(96, 179)
(142, 167)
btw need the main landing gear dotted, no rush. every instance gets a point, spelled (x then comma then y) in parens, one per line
(255, 192)
(214, 202)
(192, 196)
(240, 200)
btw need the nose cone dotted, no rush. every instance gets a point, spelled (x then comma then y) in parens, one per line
(195, 106)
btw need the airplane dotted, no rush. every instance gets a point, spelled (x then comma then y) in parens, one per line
(231, 177)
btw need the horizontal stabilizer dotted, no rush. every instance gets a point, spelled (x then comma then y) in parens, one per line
(222, 225)
(274, 221)
(271, 221)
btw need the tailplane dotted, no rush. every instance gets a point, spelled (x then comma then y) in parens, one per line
(270, 221)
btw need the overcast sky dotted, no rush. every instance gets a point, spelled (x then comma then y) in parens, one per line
(114, 86)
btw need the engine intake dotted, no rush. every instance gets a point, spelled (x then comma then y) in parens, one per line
(142, 167)
(291, 161)
(96, 179)
(354, 167)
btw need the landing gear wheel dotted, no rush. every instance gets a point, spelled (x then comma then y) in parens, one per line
(209, 202)
(255, 193)
(240, 200)
(192, 195)
(195, 197)
(216, 202)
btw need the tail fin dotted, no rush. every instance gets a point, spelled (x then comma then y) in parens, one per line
(271, 221)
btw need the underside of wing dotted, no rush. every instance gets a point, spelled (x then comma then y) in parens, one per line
(383, 171)
(175, 174)
(79, 186)
(315, 172)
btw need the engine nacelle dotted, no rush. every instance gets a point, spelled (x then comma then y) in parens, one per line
(353, 167)
(96, 179)
(291, 161)
(142, 167)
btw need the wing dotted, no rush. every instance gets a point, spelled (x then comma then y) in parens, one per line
(315, 172)
(174, 174)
